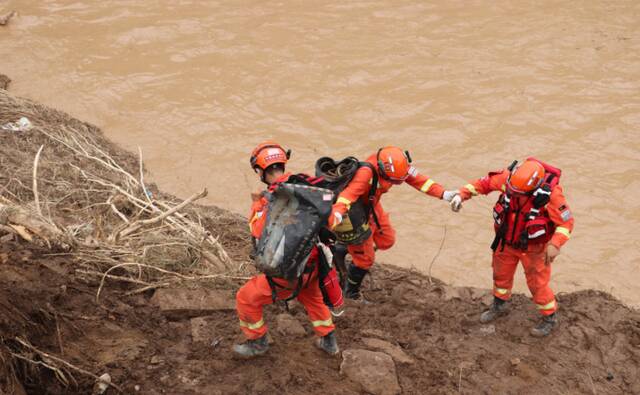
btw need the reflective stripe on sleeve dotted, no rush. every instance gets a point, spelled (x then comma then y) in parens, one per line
(547, 306)
(253, 326)
(563, 231)
(471, 189)
(503, 188)
(328, 322)
(344, 201)
(427, 185)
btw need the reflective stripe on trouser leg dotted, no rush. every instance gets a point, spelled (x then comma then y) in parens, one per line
(318, 312)
(504, 268)
(316, 324)
(546, 307)
(501, 293)
(538, 277)
(250, 299)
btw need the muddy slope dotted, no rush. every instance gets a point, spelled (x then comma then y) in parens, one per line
(596, 347)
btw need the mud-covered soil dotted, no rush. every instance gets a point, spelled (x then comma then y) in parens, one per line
(595, 349)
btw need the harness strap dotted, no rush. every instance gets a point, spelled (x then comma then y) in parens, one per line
(372, 194)
(274, 286)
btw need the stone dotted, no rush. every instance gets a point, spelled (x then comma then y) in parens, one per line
(192, 302)
(392, 350)
(156, 360)
(288, 325)
(487, 330)
(374, 371)
(515, 361)
(375, 333)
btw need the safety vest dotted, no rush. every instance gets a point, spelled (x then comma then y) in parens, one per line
(523, 220)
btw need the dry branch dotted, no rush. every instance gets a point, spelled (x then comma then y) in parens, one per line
(65, 363)
(27, 224)
(35, 181)
(141, 223)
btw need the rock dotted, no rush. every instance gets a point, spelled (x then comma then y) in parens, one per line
(201, 330)
(375, 333)
(156, 360)
(287, 325)
(515, 361)
(392, 350)
(192, 302)
(374, 371)
(102, 384)
(487, 330)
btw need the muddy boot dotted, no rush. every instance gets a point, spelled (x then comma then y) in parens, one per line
(339, 262)
(498, 308)
(252, 348)
(328, 344)
(354, 280)
(545, 326)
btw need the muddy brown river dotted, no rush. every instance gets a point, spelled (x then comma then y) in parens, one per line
(466, 86)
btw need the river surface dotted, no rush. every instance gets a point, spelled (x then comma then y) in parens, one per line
(466, 86)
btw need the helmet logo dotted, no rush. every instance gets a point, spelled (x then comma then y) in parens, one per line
(390, 166)
(533, 178)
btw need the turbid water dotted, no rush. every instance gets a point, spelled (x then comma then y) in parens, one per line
(465, 86)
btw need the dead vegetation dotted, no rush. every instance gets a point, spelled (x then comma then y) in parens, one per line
(65, 188)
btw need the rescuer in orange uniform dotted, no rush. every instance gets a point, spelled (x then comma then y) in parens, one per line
(268, 160)
(532, 223)
(388, 167)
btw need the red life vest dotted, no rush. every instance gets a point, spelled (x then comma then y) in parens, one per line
(521, 220)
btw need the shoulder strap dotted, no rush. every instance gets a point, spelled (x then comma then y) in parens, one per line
(372, 192)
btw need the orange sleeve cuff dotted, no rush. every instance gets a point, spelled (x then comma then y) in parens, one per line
(558, 240)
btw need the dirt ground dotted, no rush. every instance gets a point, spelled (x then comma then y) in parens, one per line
(47, 303)
(596, 349)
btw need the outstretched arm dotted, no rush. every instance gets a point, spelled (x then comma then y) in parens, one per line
(424, 184)
(494, 181)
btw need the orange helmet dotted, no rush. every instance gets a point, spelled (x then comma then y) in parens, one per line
(268, 153)
(393, 164)
(526, 177)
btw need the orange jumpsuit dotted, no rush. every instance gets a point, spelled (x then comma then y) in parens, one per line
(382, 238)
(505, 261)
(256, 293)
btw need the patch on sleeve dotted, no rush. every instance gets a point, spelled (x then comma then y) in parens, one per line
(413, 171)
(566, 214)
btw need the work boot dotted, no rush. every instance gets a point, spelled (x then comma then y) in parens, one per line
(354, 280)
(328, 344)
(252, 348)
(545, 326)
(498, 308)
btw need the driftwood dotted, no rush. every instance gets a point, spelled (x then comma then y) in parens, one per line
(4, 19)
(28, 225)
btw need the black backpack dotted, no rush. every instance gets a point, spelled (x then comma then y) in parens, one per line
(296, 213)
